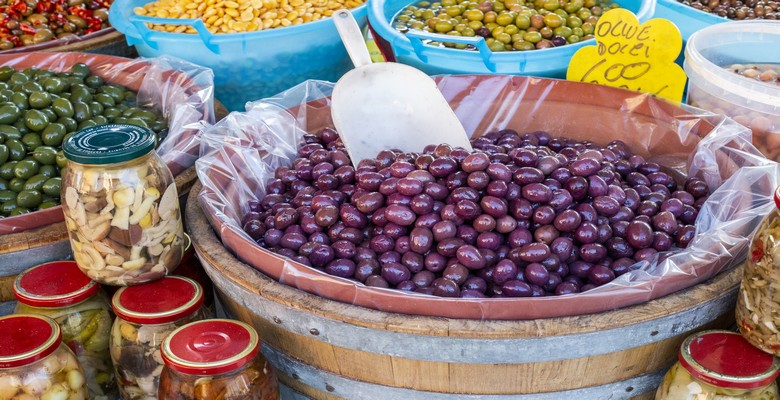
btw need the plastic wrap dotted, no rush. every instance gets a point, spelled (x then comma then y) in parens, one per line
(240, 153)
(184, 92)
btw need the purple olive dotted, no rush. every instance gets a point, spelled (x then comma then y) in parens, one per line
(639, 234)
(537, 193)
(395, 273)
(444, 287)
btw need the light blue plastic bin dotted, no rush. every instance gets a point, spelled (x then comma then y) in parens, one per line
(247, 66)
(409, 48)
(687, 19)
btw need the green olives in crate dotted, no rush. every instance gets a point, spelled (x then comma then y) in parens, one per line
(39, 109)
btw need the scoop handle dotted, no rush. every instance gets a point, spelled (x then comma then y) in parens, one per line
(352, 38)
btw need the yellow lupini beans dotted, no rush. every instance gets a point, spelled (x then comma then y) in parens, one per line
(236, 16)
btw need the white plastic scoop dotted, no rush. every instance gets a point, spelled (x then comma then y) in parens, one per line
(387, 105)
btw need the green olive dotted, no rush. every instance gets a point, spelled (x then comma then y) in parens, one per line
(94, 81)
(50, 171)
(81, 111)
(19, 211)
(31, 141)
(35, 182)
(16, 184)
(6, 72)
(96, 108)
(45, 155)
(52, 135)
(35, 120)
(105, 100)
(100, 120)
(10, 132)
(7, 170)
(19, 99)
(55, 85)
(16, 150)
(80, 70)
(7, 195)
(40, 99)
(4, 153)
(62, 161)
(29, 198)
(86, 124)
(70, 124)
(52, 186)
(31, 87)
(26, 168)
(3, 184)
(9, 113)
(18, 78)
(8, 207)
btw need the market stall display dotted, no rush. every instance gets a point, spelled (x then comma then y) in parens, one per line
(121, 206)
(34, 363)
(714, 58)
(59, 290)
(146, 314)
(721, 365)
(328, 349)
(415, 48)
(215, 359)
(292, 52)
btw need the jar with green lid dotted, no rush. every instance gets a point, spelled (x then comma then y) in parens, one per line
(145, 315)
(720, 365)
(59, 290)
(758, 309)
(35, 364)
(121, 206)
(215, 359)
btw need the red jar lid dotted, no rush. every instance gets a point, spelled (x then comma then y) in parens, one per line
(725, 359)
(158, 302)
(54, 284)
(27, 338)
(777, 197)
(210, 347)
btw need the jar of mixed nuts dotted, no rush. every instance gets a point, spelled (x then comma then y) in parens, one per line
(215, 359)
(191, 267)
(121, 206)
(59, 290)
(146, 314)
(34, 363)
(758, 312)
(720, 365)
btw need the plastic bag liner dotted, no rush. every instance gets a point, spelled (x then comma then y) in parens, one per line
(184, 92)
(241, 152)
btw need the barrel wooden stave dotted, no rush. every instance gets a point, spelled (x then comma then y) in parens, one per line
(438, 355)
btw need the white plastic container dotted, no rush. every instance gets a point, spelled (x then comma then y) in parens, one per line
(711, 86)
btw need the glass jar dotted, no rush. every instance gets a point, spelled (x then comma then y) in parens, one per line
(121, 206)
(145, 315)
(758, 310)
(59, 290)
(191, 267)
(215, 359)
(720, 365)
(34, 363)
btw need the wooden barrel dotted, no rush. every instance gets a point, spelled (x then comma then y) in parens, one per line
(325, 349)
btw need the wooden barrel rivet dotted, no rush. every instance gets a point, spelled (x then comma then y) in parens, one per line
(314, 331)
(329, 388)
(653, 333)
(296, 376)
(277, 320)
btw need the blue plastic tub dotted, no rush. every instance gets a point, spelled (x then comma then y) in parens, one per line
(410, 49)
(247, 66)
(687, 19)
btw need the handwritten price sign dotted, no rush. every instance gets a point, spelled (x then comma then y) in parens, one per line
(632, 55)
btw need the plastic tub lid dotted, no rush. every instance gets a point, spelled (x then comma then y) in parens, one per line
(158, 302)
(210, 347)
(27, 338)
(727, 360)
(698, 66)
(54, 284)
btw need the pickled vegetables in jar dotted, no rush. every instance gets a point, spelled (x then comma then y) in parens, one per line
(720, 365)
(215, 359)
(121, 205)
(59, 290)
(758, 309)
(146, 315)
(35, 364)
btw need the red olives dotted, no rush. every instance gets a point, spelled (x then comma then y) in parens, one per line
(522, 215)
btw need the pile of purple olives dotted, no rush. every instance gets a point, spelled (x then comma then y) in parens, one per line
(521, 215)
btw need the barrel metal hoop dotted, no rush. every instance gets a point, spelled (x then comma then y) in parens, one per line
(340, 386)
(482, 351)
(19, 261)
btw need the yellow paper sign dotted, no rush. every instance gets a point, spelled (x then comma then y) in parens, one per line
(632, 55)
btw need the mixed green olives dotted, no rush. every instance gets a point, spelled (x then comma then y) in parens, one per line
(39, 109)
(506, 25)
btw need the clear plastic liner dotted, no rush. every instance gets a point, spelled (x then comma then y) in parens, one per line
(241, 152)
(182, 91)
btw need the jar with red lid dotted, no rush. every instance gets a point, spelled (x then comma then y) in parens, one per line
(34, 363)
(720, 365)
(59, 290)
(215, 359)
(145, 315)
(191, 267)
